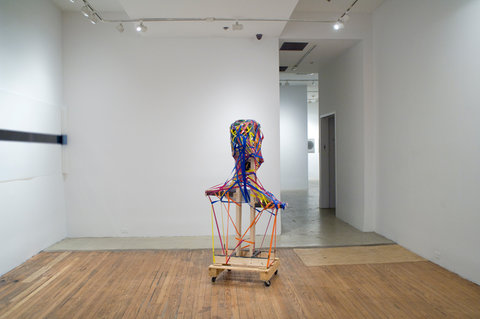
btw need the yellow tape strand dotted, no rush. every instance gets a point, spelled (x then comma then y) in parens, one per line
(213, 242)
(223, 227)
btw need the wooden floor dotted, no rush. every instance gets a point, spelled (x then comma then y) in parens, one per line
(175, 284)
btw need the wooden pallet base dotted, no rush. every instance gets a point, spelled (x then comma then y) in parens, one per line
(246, 264)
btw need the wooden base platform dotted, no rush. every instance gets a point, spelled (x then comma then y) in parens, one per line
(265, 263)
(245, 262)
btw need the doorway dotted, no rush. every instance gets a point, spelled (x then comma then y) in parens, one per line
(328, 189)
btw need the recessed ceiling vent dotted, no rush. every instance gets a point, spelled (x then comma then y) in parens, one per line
(283, 68)
(293, 46)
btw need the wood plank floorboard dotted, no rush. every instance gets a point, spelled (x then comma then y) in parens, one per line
(175, 284)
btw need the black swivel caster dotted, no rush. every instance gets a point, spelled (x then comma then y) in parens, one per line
(267, 283)
(276, 272)
(214, 278)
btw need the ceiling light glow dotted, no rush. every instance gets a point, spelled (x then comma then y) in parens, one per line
(93, 18)
(141, 27)
(338, 25)
(86, 11)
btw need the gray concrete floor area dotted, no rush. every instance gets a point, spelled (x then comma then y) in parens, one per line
(304, 224)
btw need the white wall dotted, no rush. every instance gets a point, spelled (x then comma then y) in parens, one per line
(149, 126)
(293, 137)
(32, 208)
(313, 133)
(427, 90)
(341, 91)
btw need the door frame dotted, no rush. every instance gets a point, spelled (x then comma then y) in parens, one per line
(321, 117)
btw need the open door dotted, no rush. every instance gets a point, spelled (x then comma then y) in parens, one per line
(327, 162)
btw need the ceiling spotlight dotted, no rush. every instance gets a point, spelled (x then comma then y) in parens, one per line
(86, 11)
(72, 1)
(141, 27)
(237, 26)
(120, 28)
(338, 25)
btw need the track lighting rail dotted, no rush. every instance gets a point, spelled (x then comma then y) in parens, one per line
(348, 10)
(295, 67)
(95, 16)
(212, 19)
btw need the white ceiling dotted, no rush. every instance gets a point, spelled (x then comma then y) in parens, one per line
(336, 6)
(230, 9)
(100, 5)
(282, 9)
(209, 8)
(325, 50)
(317, 6)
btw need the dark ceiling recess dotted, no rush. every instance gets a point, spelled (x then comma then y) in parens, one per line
(283, 68)
(293, 46)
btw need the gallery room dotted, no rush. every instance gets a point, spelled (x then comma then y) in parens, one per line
(239, 159)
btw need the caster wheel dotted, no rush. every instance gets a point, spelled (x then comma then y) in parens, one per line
(214, 278)
(276, 272)
(229, 269)
(267, 283)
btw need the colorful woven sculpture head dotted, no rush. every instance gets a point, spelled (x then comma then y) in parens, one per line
(246, 141)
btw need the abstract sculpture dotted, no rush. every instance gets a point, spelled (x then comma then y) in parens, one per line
(244, 187)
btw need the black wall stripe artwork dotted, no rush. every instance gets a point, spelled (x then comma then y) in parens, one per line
(17, 136)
